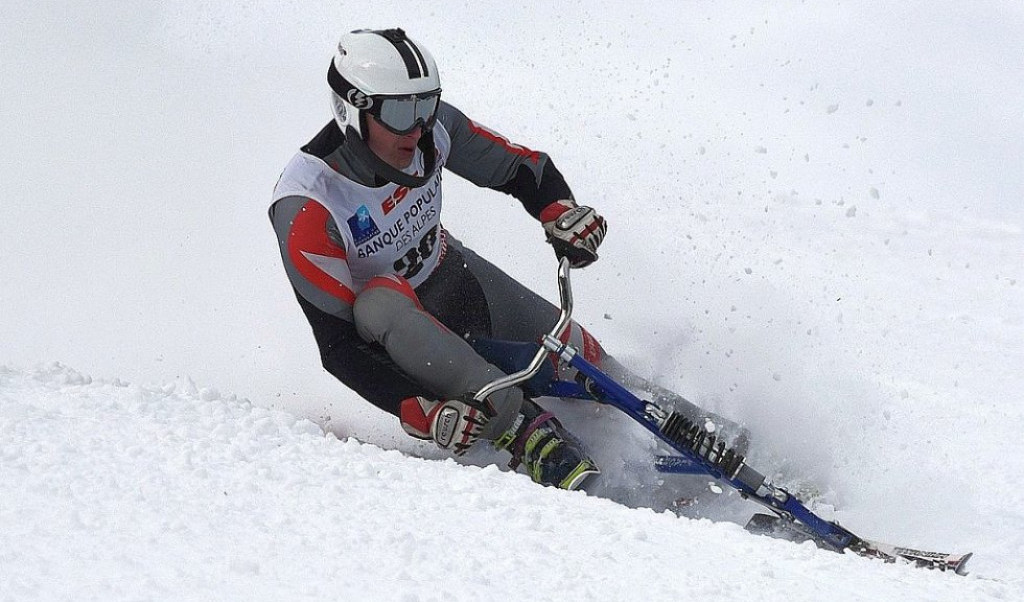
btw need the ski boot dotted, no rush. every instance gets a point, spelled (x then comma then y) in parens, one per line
(550, 454)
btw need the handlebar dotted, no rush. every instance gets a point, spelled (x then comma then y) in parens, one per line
(565, 296)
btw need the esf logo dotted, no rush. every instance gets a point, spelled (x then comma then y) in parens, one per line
(392, 201)
(362, 226)
(400, 193)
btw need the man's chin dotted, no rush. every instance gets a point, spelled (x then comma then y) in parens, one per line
(404, 158)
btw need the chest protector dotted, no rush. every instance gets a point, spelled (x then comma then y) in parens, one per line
(391, 229)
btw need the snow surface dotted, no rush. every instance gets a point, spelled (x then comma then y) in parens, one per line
(816, 228)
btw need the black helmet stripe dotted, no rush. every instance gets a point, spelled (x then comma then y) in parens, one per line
(419, 57)
(411, 55)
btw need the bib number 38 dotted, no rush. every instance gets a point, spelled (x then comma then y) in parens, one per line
(411, 263)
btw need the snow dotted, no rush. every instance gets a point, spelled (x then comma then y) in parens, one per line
(129, 492)
(815, 228)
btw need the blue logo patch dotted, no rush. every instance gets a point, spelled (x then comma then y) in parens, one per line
(362, 225)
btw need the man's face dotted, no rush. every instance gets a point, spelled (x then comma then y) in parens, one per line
(394, 149)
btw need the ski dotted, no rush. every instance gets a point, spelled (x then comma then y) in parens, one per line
(789, 530)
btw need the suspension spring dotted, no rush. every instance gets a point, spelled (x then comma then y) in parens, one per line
(685, 433)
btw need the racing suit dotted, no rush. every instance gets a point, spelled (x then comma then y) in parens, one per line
(349, 239)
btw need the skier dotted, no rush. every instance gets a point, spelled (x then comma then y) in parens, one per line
(403, 313)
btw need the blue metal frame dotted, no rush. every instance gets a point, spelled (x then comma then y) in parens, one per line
(699, 453)
(539, 377)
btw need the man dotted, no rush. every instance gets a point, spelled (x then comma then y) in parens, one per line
(402, 312)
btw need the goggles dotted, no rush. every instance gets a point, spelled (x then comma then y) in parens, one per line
(403, 114)
(399, 113)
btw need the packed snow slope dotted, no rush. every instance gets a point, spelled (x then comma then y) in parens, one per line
(815, 228)
(120, 492)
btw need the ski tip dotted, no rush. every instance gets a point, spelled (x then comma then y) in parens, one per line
(960, 568)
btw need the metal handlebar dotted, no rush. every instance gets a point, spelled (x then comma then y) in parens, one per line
(565, 296)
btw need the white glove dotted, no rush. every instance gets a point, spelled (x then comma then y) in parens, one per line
(575, 232)
(453, 424)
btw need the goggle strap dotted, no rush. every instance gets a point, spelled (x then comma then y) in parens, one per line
(337, 82)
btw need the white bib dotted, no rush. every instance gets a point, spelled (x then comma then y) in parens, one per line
(392, 229)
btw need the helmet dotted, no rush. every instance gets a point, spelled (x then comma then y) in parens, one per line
(385, 74)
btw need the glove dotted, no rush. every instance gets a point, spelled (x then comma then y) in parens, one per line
(575, 232)
(453, 424)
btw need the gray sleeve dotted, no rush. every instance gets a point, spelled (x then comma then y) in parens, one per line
(488, 159)
(326, 288)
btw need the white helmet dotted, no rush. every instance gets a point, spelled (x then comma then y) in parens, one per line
(385, 74)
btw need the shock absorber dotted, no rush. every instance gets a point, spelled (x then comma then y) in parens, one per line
(685, 433)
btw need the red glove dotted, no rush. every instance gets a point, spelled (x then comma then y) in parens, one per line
(575, 232)
(453, 424)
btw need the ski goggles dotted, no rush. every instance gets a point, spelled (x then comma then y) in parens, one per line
(399, 113)
(403, 114)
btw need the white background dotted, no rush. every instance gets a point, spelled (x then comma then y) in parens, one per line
(815, 227)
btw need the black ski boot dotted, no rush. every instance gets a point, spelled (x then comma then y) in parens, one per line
(551, 455)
